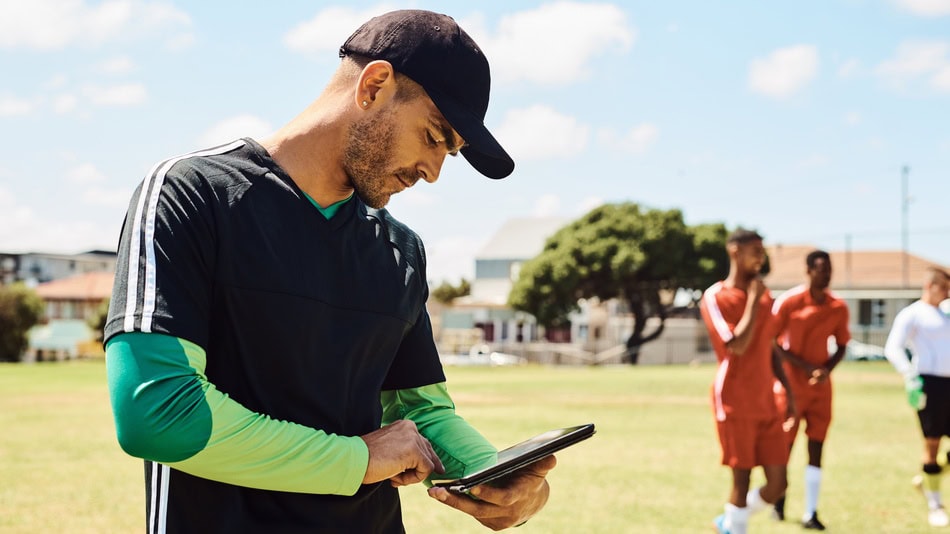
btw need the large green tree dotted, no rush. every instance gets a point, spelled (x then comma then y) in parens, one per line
(20, 309)
(446, 292)
(621, 251)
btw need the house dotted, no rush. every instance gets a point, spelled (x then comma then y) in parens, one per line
(70, 303)
(876, 284)
(484, 316)
(34, 268)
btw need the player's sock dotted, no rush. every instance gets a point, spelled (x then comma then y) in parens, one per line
(812, 486)
(753, 501)
(932, 485)
(737, 519)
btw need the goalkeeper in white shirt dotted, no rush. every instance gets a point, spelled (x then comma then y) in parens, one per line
(922, 331)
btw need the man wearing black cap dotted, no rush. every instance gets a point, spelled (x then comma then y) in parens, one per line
(268, 349)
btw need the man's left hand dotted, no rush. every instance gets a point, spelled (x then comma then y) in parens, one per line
(524, 493)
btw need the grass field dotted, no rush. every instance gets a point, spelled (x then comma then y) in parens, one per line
(652, 467)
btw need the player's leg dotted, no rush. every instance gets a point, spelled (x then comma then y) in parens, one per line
(781, 404)
(772, 455)
(737, 440)
(817, 420)
(933, 424)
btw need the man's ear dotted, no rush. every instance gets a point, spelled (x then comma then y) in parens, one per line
(376, 84)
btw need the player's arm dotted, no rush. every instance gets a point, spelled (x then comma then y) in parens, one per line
(792, 358)
(167, 411)
(461, 448)
(842, 337)
(745, 328)
(896, 345)
(779, 371)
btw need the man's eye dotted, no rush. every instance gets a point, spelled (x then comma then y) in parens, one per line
(430, 139)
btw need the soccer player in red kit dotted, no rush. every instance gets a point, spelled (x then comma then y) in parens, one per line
(737, 314)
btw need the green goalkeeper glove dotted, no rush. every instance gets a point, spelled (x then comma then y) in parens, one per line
(914, 386)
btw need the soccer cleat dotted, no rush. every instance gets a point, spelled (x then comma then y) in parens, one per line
(938, 517)
(720, 524)
(813, 523)
(778, 509)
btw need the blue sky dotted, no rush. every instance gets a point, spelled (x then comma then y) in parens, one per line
(795, 118)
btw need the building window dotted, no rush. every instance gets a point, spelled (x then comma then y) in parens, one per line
(871, 312)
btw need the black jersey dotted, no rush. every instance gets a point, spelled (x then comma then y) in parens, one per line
(301, 318)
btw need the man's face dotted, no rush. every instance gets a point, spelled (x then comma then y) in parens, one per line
(749, 258)
(939, 287)
(391, 149)
(819, 274)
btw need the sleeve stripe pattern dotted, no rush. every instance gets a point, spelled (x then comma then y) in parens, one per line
(145, 216)
(797, 290)
(158, 504)
(709, 300)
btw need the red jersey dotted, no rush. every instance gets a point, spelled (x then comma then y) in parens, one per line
(743, 385)
(804, 326)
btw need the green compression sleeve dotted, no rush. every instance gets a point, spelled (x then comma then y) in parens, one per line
(166, 410)
(462, 449)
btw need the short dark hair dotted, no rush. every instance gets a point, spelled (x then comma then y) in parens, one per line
(816, 255)
(741, 236)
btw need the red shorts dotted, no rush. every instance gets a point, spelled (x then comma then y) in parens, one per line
(812, 403)
(747, 443)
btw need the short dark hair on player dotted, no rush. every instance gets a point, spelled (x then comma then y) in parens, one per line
(816, 255)
(741, 236)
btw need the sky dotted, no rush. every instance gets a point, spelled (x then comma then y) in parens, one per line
(801, 119)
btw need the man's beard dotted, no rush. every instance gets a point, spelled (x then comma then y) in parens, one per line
(366, 158)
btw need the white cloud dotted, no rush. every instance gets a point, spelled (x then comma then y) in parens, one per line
(452, 258)
(553, 44)
(111, 197)
(925, 8)
(57, 24)
(849, 69)
(65, 103)
(327, 30)
(123, 95)
(852, 118)
(234, 128)
(12, 106)
(784, 72)
(86, 173)
(546, 206)
(637, 140)
(539, 132)
(588, 204)
(117, 65)
(22, 228)
(928, 60)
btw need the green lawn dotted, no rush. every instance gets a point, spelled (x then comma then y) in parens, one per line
(651, 467)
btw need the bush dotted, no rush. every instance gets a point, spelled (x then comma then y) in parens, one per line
(20, 309)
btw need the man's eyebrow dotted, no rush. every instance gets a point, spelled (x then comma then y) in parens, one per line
(452, 141)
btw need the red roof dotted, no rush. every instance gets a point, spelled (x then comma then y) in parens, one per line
(864, 269)
(85, 286)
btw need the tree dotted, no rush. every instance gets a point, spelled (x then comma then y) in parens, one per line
(446, 292)
(20, 309)
(620, 251)
(97, 322)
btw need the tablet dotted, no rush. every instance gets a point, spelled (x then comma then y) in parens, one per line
(520, 455)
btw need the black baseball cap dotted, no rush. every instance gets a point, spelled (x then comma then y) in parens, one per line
(436, 53)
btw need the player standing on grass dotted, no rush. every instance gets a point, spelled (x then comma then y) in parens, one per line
(924, 329)
(737, 314)
(806, 317)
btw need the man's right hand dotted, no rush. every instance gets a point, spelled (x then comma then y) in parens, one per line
(399, 453)
(914, 386)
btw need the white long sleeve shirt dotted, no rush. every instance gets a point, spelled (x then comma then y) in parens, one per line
(925, 330)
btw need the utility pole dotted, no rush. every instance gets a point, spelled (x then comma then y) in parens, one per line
(905, 208)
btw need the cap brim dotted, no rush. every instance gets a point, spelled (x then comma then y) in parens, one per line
(483, 151)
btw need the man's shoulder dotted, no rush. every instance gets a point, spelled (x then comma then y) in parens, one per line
(219, 166)
(399, 233)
